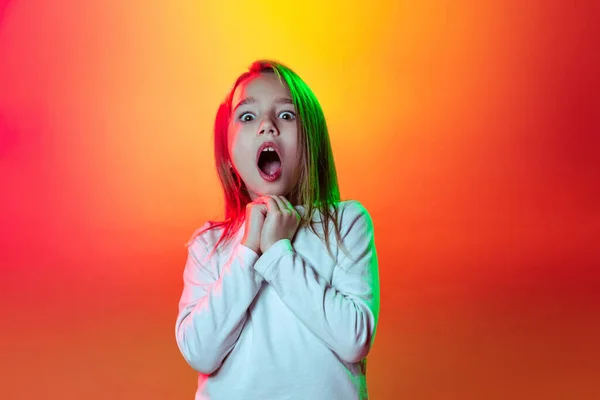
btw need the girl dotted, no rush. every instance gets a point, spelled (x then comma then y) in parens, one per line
(281, 299)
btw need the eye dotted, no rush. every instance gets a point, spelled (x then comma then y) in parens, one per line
(287, 115)
(246, 117)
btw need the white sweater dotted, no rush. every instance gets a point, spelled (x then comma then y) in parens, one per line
(292, 324)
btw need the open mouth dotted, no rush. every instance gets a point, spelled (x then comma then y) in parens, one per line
(269, 161)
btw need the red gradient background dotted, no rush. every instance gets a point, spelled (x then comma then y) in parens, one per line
(469, 129)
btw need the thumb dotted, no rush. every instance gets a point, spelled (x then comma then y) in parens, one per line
(263, 209)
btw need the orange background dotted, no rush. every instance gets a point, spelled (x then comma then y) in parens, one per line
(469, 129)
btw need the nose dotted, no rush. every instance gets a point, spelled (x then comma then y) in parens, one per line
(268, 126)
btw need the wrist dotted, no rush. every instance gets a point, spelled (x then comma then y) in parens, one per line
(266, 247)
(255, 249)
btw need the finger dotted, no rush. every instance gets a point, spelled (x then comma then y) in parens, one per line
(260, 200)
(287, 204)
(272, 205)
(262, 208)
(254, 207)
(290, 207)
(249, 207)
(280, 204)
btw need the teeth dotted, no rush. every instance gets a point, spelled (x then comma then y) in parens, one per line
(268, 149)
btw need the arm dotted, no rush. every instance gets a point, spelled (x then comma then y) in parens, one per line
(212, 309)
(344, 314)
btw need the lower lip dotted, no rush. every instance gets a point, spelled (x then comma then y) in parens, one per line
(270, 178)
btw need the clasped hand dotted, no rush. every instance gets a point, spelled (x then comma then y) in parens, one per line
(268, 220)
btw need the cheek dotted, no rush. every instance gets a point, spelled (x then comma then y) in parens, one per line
(232, 138)
(294, 145)
(239, 146)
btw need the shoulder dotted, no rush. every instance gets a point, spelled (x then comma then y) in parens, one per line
(353, 216)
(352, 209)
(205, 237)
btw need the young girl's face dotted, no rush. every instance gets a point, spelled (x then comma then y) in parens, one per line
(263, 136)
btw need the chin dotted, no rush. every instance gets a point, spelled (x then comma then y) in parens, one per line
(273, 189)
(273, 192)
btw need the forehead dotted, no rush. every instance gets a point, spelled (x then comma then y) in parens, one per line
(265, 86)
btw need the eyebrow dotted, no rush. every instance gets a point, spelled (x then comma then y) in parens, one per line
(250, 100)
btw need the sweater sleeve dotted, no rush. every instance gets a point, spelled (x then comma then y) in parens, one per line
(212, 308)
(344, 313)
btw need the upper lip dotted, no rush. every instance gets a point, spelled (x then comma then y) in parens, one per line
(268, 144)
